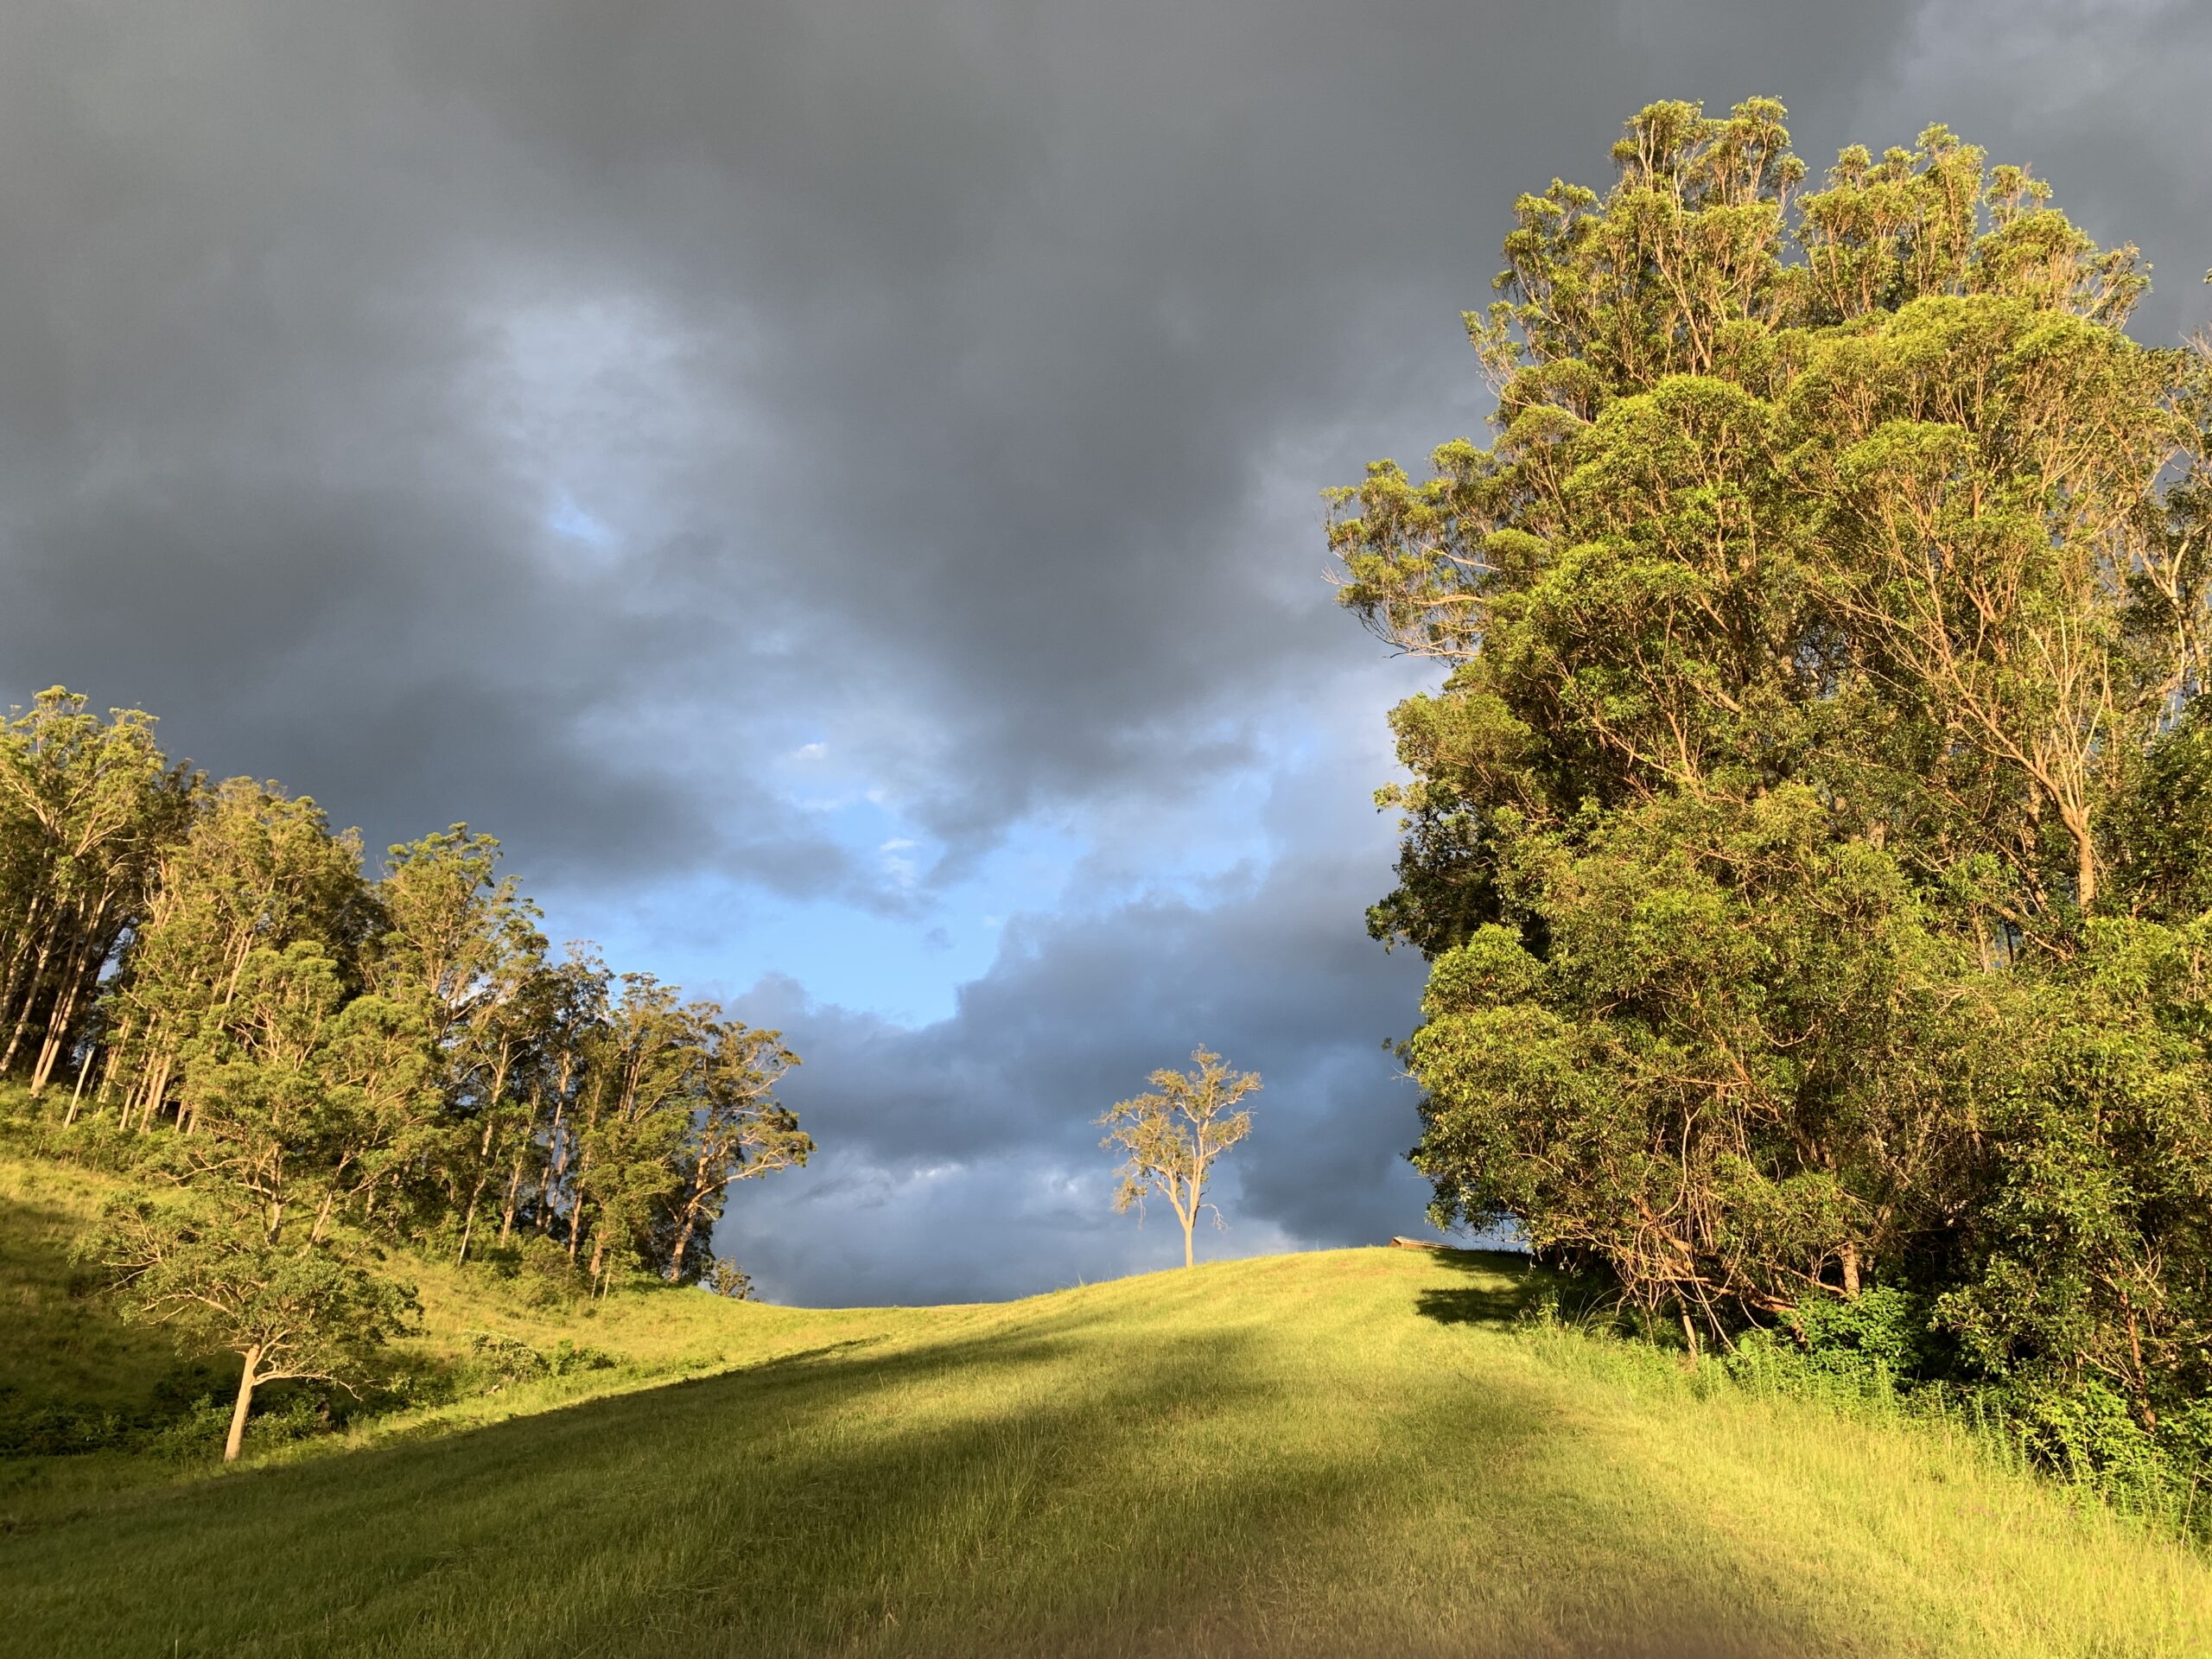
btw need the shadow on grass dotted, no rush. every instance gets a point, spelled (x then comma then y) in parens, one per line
(73, 1377)
(1509, 1287)
(1512, 1287)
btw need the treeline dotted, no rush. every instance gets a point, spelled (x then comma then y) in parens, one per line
(1812, 837)
(208, 966)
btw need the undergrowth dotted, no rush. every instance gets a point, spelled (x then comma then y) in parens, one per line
(1881, 1356)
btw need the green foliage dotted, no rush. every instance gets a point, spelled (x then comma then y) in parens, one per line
(1883, 1336)
(91, 1401)
(401, 1056)
(499, 1359)
(86, 806)
(289, 1312)
(305, 1060)
(1172, 1136)
(1723, 990)
(1809, 835)
(725, 1278)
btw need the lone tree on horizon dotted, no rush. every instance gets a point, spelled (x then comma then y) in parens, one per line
(1173, 1134)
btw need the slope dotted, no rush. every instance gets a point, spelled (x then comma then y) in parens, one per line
(1354, 1451)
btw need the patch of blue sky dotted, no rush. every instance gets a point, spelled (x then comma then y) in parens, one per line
(901, 933)
(718, 936)
(571, 523)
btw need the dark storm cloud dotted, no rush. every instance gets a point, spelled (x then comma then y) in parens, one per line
(544, 412)
(955, 338)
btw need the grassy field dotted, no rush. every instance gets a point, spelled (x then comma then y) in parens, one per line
(1359, 1451)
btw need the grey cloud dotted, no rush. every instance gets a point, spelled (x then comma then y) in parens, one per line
(949, 340)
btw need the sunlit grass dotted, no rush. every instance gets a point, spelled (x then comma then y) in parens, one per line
(1285, 1456)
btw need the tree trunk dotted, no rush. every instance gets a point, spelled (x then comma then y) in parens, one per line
(83, 965)
(1851, 1269)
(30, 1002)
(469, 1221)
(117, 1041)
(683, 1243)
(693, 1205)
(26, 936)
(238, 968)
(514, 1196)
(1190, 1220)
(246, 1380)
(156, 1086)
(57, 1029)
(576, 1209)
(556, 1166)
(77, 1095)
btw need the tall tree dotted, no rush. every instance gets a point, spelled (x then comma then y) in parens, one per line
(339, 1059)
(258, 871)
(1820, 626)
(1172, 1137)
(739, 1130)
(87, 808)
(460, 948)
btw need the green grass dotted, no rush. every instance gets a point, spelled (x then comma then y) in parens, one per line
(65, 1354)
(1350, 1451)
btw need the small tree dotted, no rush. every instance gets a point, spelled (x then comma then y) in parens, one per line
(725, 1278)
(289, 1314)
(1173, 1134)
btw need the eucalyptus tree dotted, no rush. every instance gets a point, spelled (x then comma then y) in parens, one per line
(1820, 627)
(286, 1313)
(459, 946)
(303, 1101)
(573, 1002)
(308, 1102)
(739, 1130)
(341, 1060)
(87, 807)
(1174, 1135)
(256, 871)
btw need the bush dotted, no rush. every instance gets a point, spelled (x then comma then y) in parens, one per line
(1882, 1348)
(725, 1278)
(496, 1362)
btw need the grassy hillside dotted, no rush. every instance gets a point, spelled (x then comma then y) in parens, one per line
(72, 1375)
(1355, 1451)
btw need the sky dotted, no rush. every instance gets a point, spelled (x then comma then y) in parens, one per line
(835, 488)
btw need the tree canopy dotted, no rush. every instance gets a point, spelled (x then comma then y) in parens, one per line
(1809, 836)
(305, 1060)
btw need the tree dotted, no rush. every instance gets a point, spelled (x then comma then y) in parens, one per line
(459, 947)
(725, 1278)
(289, 1314)
(87, 808)
(1822, 628)
(739, 1129)
(1173, 1134)
(258, 871)
(337, 1059)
